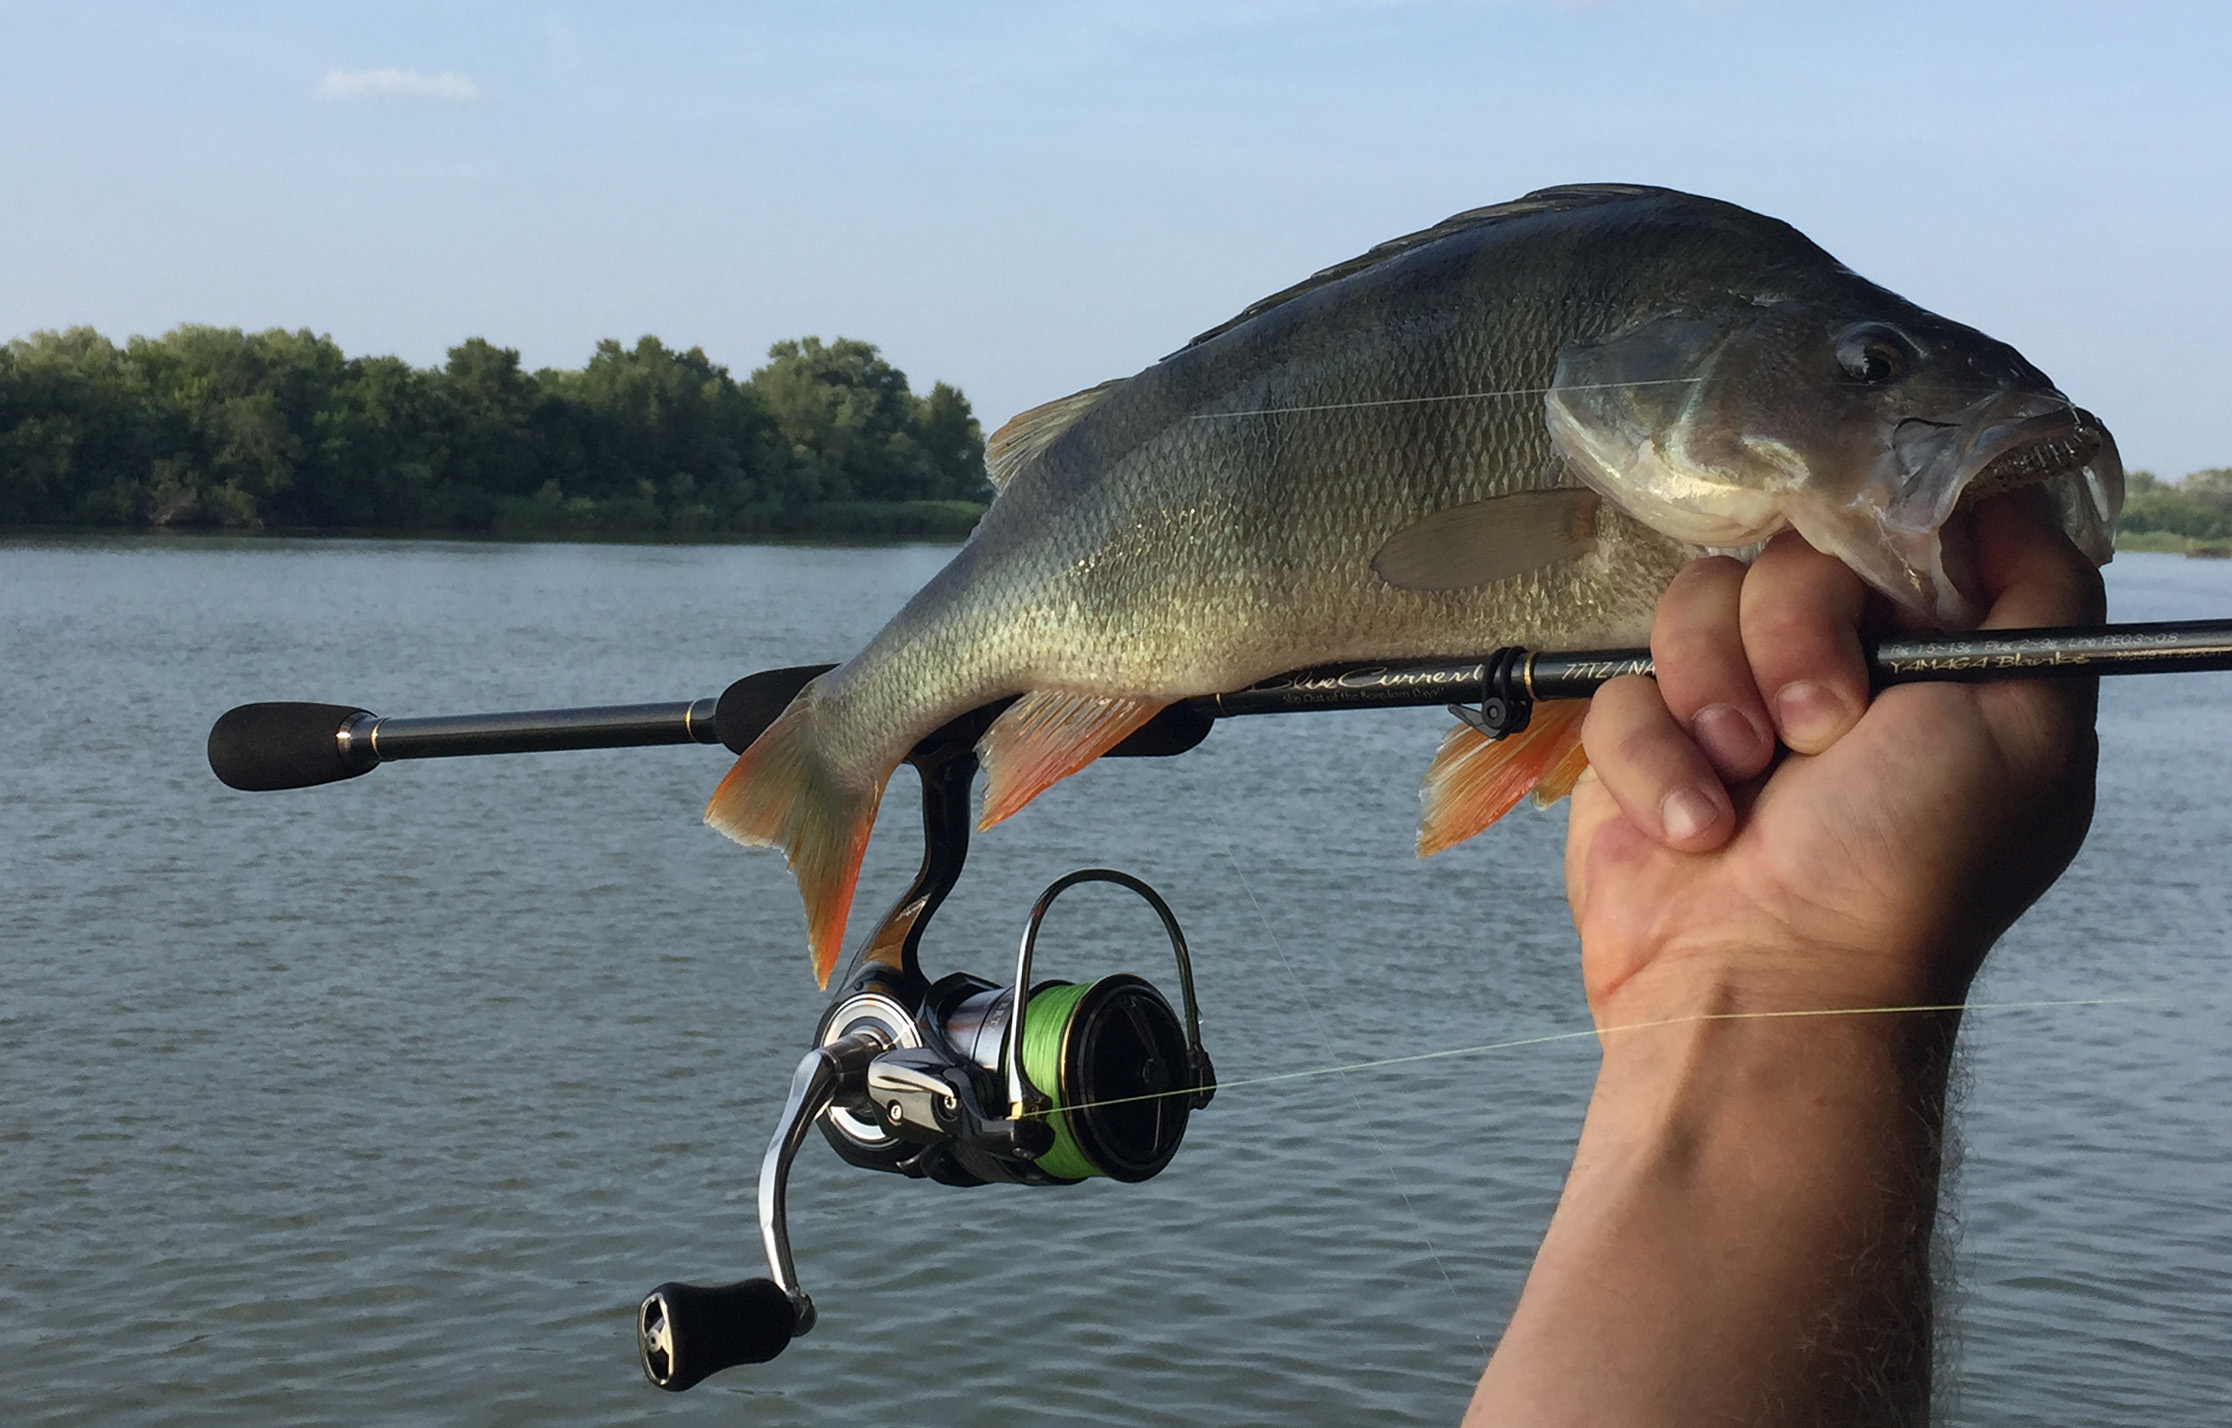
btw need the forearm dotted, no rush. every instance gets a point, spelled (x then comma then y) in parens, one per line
(1745, 1233)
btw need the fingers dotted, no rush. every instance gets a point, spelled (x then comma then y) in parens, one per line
(1800, 613)
(2033, 575)
(1661, 781)
(2029, 570)
(1697, 647)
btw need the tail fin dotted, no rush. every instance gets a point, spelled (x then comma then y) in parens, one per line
(784, 794)
(1476, 780)
(1044, 737)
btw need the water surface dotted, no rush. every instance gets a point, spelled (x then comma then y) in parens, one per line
(385, 1102)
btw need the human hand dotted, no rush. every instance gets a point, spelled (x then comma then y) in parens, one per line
(1744, 1235)
(1871, 858)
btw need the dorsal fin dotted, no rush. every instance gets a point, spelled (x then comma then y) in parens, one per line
(1026, 434)
(1542, 200)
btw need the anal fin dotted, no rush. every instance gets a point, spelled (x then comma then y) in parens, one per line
(1046, 736)
(1475, 780)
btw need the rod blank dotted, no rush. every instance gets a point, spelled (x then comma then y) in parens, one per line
(539, 731)
(2169, 647)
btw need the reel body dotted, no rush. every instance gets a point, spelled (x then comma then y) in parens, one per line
(961, 1080)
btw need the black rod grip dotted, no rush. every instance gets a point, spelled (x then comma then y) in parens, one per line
(261, 747)
(748, 706)
(686, 1331)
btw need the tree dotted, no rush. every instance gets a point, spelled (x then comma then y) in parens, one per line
(857, 433)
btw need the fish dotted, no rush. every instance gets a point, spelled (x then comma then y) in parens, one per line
(1511, 428)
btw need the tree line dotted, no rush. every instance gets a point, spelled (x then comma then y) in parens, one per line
(215, 427)
(2173, 515)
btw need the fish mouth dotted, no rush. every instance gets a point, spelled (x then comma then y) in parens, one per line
(2029, 451)
(1932, 470)
(1900, 529)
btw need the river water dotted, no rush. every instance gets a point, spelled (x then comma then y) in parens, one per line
(385, 1102)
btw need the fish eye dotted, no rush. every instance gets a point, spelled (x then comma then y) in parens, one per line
(1875, 354)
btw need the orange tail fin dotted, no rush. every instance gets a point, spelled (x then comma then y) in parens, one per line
(784, 794)
(1476, 780)
(1045, 737)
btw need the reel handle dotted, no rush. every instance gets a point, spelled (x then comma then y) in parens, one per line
(685, 1332)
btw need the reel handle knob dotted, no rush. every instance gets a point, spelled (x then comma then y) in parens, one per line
(686, 1331)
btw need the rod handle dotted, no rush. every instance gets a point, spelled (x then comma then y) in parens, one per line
(685, 1332)
(261, 747)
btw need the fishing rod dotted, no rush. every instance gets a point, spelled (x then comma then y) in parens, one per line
(966, 1080)
(262, 747)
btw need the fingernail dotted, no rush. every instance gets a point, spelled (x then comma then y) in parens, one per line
(1809, 714)
(1729, 739)
(1687, 812)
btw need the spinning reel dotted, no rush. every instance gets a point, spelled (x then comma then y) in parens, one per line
(959, 1080)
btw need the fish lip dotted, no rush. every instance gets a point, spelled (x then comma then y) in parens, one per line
(2026, 451)
(1935, 469)
(2011, 441)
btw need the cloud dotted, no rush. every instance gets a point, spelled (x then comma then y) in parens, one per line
(342, 85)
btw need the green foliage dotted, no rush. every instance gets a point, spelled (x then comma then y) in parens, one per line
(211, 426)
(2198, 508)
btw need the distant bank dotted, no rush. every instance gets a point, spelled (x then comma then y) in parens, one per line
(216, 428)
(2185, 515)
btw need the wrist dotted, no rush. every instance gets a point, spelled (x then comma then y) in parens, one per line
(1748, 1218)
(1769, 972)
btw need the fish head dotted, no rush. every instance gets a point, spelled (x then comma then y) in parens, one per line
(1860, 419)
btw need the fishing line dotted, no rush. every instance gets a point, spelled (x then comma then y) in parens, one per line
(1325, 1039)
(1449, 397)
(1384, 1062)
(1979, 390)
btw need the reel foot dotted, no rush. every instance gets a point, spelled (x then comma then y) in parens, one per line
(685, 1332)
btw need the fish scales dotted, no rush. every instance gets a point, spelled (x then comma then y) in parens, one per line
(1222, 516)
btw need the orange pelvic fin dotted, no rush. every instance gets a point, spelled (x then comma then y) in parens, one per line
(1476, 780)
(783, 794)
(1044, 737)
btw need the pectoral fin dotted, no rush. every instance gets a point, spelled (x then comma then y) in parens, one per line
(1481, 541)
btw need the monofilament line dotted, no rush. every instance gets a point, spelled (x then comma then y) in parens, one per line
(1325, 1039)
(1447, 397)
(1384, 1062)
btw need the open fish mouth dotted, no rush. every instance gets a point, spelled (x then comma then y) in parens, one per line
(1911, 547)
(2026, 452)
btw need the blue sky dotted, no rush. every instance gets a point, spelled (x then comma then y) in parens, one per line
(1025, 199)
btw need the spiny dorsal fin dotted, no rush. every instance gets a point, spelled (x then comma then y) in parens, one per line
(1026, 434)
(1480, 541)
(1542, 200)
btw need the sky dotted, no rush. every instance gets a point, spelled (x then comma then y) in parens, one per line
(1026, 199)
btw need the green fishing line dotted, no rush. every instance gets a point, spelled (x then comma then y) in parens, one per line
(1046, 1024)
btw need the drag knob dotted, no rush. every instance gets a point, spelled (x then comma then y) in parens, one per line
(687, 1331)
